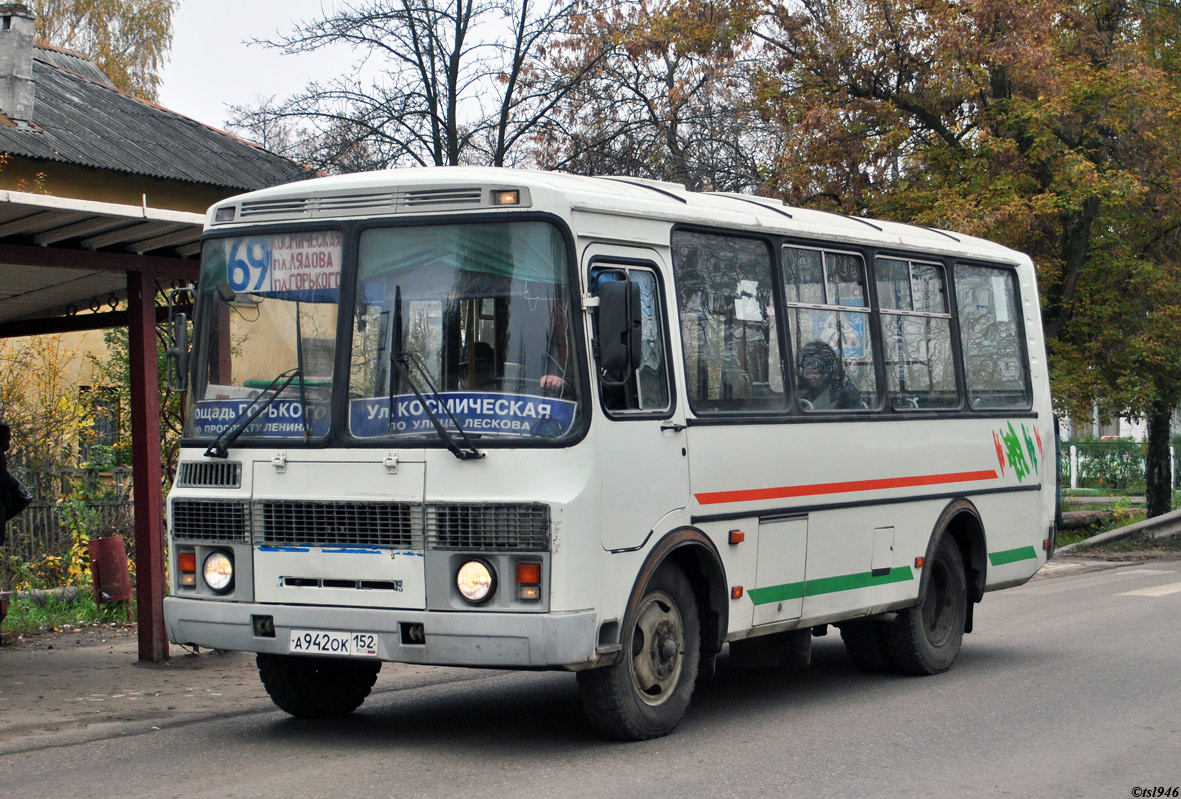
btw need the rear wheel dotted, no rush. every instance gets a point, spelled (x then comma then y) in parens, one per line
(317, 687)
(926, 638)
(646, 692)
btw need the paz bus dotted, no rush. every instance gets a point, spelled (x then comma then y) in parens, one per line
(511, 419)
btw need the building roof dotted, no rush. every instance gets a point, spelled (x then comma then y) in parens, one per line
(80, 119)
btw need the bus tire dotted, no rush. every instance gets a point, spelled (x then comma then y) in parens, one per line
(645, 693)
(925, 639)
(865, 642)
(317, 688)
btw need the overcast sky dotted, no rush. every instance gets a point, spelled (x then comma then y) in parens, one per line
(212, 67)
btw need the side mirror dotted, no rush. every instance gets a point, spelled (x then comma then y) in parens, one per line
(178, 354)
(619, 327)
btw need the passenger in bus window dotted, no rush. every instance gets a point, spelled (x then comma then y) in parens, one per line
(823, 385)
(555, 382)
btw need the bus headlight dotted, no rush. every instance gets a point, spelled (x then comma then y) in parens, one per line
(219, 571)
(476, 581)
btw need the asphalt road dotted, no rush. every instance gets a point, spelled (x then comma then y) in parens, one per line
(1068, 688)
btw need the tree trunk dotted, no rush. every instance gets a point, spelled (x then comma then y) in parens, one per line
(1158, 481)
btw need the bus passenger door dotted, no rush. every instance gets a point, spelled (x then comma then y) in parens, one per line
(778, 594)
(639, 427)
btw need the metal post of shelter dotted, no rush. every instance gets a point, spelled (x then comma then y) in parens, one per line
(145, 458)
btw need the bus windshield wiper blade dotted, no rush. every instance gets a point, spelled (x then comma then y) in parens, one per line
(220, 447)
(405, 361)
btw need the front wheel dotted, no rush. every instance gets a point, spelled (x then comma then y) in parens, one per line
(646, 692)
(926, 638)
(316, 688)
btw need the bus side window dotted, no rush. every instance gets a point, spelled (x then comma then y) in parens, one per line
(828, 322)
(990, 337)
(646, 388)
(916, 334)
(727, 314)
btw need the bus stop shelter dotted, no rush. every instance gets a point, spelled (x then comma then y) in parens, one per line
(102, 199)
(64, 264)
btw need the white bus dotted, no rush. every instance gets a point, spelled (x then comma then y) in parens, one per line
(511, 419)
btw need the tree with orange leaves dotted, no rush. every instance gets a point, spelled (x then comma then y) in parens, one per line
(1049, 125)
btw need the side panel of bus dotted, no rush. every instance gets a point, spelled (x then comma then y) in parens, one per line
(841, 503)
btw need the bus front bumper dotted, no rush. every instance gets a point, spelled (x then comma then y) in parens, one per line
(496, 640)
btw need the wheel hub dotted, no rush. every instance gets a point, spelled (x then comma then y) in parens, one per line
(664, 650)
(658, 648)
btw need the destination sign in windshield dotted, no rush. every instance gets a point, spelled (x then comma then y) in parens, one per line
(296, 266)
(476, 411)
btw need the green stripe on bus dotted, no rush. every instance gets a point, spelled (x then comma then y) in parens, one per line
(1012, 556)
(827, 585)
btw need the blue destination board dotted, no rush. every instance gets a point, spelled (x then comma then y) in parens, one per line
(283, 418)
(478, 412)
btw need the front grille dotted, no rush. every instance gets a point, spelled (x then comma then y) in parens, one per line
(485, 527)
(488, 527)
(210, 520)
(350, 524)
(209, 474)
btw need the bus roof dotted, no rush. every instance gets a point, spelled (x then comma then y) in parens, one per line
(432, 190)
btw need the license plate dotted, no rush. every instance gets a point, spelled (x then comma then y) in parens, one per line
(331, 642)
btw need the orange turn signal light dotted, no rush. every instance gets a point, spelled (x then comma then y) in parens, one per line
(528, 574)
(737, 536)
(736, 592)
(186, 561)
(919, 561)
(529, 581)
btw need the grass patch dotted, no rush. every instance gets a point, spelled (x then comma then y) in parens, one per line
(1068, 537)
(27, 616)
(1102, 492)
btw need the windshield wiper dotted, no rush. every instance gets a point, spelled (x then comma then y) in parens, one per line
(405, 361)
(220, 447)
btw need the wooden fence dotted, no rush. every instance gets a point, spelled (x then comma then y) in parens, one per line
(39, 529)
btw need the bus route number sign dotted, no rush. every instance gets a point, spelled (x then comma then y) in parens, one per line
(249, 267)
(285, 264)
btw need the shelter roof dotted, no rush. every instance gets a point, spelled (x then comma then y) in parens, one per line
(61, 255)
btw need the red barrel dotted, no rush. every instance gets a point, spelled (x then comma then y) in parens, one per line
(108, 566)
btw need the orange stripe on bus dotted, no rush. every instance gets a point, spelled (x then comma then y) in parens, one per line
(817, 489)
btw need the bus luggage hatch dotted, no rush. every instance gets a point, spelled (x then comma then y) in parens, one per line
(778, 594)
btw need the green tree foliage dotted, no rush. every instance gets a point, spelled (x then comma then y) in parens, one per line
(129, 40)
(39, 401)
(1049, 125)
(114, 373)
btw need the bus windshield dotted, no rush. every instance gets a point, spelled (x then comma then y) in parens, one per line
(466, 327)
(470, 323)
(267, 311)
